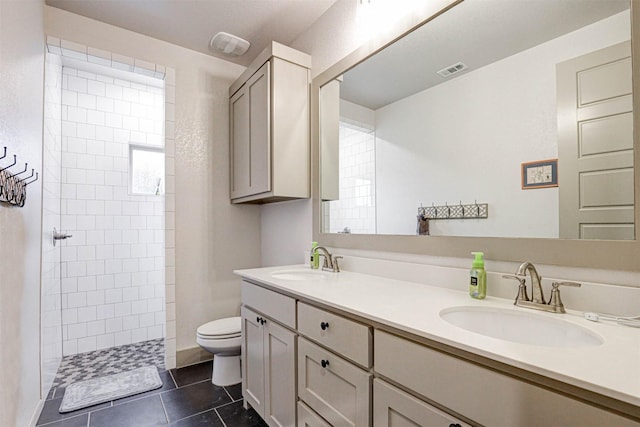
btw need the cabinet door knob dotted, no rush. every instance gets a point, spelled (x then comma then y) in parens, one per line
(324, 325)
(263, 321)
(324, 363)
(455, 425)
(258, 319)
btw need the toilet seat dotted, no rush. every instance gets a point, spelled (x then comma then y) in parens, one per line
(230, 327)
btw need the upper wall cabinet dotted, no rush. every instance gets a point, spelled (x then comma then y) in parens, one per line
(269, 128)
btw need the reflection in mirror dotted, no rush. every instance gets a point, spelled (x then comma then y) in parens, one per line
(522, 106)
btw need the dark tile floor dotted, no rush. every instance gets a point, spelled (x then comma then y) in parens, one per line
(187, 398)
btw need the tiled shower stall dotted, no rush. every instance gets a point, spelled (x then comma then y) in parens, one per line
(109, 181)
(113, 266)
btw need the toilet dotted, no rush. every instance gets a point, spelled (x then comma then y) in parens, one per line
(223, 338)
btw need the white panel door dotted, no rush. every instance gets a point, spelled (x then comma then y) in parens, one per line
(595, 145)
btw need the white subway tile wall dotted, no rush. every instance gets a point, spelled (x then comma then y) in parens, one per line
(113, 268)
(356, 209)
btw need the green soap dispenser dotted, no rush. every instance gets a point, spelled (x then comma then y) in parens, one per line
(314, 258)
(478, 282)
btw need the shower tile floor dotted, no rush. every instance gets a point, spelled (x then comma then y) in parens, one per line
(95, 364)
(187, 397)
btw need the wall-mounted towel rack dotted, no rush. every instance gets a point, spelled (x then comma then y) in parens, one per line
(13, 185)
(458, 211)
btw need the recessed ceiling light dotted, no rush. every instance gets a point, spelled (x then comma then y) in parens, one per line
(228, 44)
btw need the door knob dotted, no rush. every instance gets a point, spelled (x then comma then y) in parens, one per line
(59, 236)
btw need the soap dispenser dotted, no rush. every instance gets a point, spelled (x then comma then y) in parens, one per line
(478, 277)
(313, 256)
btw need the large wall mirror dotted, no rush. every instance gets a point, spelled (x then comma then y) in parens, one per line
(507, 120)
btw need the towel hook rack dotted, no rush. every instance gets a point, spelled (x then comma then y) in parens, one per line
(13, 189)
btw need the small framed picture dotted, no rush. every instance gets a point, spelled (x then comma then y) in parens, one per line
(540, 174)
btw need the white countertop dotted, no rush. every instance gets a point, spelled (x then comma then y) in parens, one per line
(611, 369)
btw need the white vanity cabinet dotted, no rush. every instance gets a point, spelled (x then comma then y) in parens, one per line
(310, 365)
(268, 349)
(269, 128)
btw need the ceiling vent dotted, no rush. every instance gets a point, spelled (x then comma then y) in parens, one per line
(452, 69)
(228, 44)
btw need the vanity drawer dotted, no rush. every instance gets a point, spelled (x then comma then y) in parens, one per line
(308, 418)
(339, 391)
(347, 337)
(480, 394)
(393, 407)
(280, 308)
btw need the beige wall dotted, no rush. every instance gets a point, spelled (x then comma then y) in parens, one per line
(212, 237)
(21, 92)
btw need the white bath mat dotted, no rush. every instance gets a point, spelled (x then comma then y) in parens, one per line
(104, 389)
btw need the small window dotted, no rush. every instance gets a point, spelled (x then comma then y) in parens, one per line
(146, 170)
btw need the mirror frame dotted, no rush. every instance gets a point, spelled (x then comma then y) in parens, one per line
(601, 254)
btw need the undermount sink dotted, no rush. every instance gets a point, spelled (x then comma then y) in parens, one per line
(300, 274)
(521, 327)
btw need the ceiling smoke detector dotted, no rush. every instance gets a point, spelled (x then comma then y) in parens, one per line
(228, 44)
(452, 69)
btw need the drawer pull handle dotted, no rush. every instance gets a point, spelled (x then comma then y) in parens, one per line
(324, 363)
(324, 325)
(455, 425)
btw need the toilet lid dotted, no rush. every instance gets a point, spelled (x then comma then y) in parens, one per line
(224, 328)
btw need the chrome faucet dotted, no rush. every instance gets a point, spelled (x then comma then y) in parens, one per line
(330, 262)
(537, 301)
(537, 294)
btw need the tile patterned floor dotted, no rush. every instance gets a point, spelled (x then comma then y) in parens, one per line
(94, 364)
(187, 398)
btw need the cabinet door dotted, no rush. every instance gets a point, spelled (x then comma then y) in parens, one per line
(336, 389)
(395, 408)
(257, 88)
(280, 375)
(239, 146)
(253, 360)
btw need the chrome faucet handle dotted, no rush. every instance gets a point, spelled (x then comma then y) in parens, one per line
(555, 301)
(522, 289)
(336, 266)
